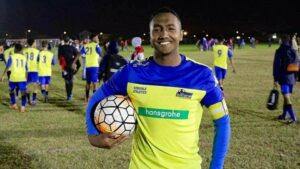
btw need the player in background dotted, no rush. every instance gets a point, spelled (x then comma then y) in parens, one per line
(17, 64)
(111, 62)
(92, 52)
(85, 41)
(221, 52)
(284, 79)
(168, 91)
(138, 53)
(32, 55)
(46, 60)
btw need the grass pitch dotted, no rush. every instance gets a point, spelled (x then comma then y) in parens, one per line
(52, 135)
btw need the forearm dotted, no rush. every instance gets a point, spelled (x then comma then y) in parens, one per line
(221, 142)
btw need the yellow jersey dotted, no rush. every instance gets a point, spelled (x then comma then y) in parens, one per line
(32, 58)
(46, 60)
(18, 68)
(221, 52)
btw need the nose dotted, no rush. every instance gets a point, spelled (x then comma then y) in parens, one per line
(163, 34)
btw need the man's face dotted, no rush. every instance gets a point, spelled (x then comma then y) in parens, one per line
(165, 33)
(95, 39)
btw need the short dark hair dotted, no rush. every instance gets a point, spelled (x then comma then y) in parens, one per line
(44, 43)
(30, 41)
(18, 48)
(164, 10)
(220, 38)
(285, 38)
(93, 35)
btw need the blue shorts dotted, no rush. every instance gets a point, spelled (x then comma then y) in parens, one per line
(44, 80)
(92, 74)
(21, 85)
(286, 89)
(220, 73)
(33, 77)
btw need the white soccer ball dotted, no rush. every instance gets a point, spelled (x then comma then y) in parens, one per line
(115, 114)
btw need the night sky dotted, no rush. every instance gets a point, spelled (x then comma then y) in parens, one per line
(49, 18)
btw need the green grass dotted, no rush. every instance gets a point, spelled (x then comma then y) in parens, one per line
(52, 135)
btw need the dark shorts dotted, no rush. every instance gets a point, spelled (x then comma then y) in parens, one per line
(220, 73)
(33, 77)
(92, 74)
(21, 85)
(44, 80)
(286, 89)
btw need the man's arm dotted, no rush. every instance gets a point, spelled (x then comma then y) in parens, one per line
(102, 66)
(9, 62)
(230, 55)
(217, 107)
(276, 69)
(77, 56)
(117, 84)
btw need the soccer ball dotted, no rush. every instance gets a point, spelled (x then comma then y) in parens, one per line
(115, 114)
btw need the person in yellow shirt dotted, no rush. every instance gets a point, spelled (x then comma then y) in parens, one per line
(221, 53)
(17, 63)
(32, 55)
(46, 60)
(92, 53)
(168, 91)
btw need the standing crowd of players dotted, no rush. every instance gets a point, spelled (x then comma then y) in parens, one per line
(29, 69)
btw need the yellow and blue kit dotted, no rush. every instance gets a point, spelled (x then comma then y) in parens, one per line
(46, 60)
(92, 53)
(221, 53)
(32, 55)
(168, 101)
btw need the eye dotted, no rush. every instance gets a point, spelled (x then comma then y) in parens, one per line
(172, 29)
(156, 29)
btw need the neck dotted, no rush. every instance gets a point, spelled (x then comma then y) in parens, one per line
(167, 60)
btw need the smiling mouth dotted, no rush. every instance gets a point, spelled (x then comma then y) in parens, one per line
(164, 43)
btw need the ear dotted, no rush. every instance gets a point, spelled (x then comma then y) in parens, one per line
(181, 35)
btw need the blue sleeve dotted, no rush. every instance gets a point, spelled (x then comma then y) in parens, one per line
(102, 66)
(53, 61)
(221, 142)
(98, 50)
(9, 62)
(213, 92)
(82, 50)
(117, 84)
(230, 55)
(276, 66)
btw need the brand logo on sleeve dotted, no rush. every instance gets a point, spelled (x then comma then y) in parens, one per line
(182, 93)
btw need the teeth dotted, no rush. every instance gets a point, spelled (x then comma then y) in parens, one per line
(164, 43)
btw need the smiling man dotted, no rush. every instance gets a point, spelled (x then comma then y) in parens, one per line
(168, 91)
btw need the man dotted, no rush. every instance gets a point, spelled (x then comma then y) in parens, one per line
(111, 62)
(285, 79)
(68, 56)
(46, 60)
(92, 54)
(84, 42)
(181, 85)
(17, 63)
(221, 53)
(32, 54)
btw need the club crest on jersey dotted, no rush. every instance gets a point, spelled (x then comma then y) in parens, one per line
(182, 93)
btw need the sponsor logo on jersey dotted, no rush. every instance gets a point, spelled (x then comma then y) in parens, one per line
(163, 113)
(182, 93)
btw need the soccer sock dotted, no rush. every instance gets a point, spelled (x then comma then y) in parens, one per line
(284, 111)
(23, 102)
(291, 111)
(87, 93)
(43, 92)
(34, 97)
(28, 97)
(12, 98)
